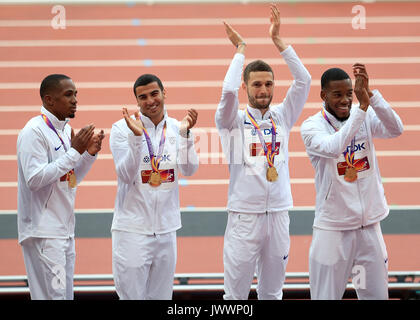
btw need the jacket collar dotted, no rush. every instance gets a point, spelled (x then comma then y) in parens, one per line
(149, 124)
(336, 123)
(58, 124)
(256, 113)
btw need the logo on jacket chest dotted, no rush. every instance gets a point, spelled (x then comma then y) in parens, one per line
(165, 158)
(265, 132)
(357, 147)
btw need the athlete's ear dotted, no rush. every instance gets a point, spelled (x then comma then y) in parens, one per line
(243, 85)
(47, 100)
(323, 95)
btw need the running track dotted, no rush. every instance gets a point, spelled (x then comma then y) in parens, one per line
(105, 48)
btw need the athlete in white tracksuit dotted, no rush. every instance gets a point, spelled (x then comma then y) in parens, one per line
(347, 237)
(257, 231)
(46, 156)
(146, 217)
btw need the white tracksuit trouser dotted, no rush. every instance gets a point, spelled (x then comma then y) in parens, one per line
(49, 264)
(143, 265)
(334, 256)
(255, 243)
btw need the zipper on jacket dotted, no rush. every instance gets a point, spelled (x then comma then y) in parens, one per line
(155, 215)
(267, 192)
(155, 196)
(361, 203)
(328, 192)
(49, 197)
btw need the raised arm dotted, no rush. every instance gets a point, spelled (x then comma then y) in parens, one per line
(384, 122)
(227, 109)
(275, 29)
(299, 90)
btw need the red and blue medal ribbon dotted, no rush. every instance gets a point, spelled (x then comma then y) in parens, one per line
(348, 154)
(155, 159)
(49, 124)
(270, 153)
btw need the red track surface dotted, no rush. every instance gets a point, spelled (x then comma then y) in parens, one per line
(205, 254)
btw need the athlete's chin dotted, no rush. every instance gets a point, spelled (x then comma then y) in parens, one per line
(261, 106)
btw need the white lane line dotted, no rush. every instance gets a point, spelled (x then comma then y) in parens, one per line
(195, 84)
(204, 41)
(196, 131)
(196, 62)
(197, 106)
(206, 21)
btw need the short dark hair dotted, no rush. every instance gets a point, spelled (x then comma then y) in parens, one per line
(255, 66)
(51, 82)
(333, 74)
(145, 79)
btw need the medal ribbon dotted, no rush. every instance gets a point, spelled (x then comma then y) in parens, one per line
(49, 124)
(348, 155)
(155, 160)
(269, 153)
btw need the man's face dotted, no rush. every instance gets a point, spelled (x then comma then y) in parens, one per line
(150, 99)
(338, 97)
(259, 89)
(61, 101)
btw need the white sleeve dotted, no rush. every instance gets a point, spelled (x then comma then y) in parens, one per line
(384, 122)
(187, 157)
(83, 166)
(320, 142)
(298, 92)
(227, 110)
(32, 153)
(126, 151)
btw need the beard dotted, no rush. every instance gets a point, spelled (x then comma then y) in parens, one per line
(253, 102)
(341, 119)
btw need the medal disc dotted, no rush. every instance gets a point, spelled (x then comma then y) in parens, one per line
(72, 180)
(272, 174)
(350, 174)
(155, 179)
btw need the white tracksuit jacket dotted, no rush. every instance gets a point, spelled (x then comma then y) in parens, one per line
(249, 190)
(139, 207)
(45, 201)
(342, 205)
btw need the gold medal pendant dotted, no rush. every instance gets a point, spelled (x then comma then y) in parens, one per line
(155, 179)
(72, 180)
(272, 174)
(350, 174)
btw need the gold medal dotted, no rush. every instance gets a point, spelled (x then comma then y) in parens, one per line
(272, 174)
(155, 179)
(72, 179)
(350, 174)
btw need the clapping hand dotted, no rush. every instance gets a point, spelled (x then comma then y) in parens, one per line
(361, 86)
(188, 122)
(135, 125)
